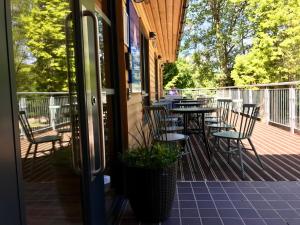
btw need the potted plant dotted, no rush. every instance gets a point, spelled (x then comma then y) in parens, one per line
(150, 177)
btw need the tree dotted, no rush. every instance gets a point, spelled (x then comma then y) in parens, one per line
(44, 43)
(181, 74)
(216, 30)
(275, 55)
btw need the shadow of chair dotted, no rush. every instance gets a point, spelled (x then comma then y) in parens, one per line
(36, 140)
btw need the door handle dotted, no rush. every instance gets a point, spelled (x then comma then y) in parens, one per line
(102, 164)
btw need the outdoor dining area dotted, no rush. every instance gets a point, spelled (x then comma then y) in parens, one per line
(210, 121)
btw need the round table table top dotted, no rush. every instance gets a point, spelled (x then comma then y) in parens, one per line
(193, 110)
(196, 103)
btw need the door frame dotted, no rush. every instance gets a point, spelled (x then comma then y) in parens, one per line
(12, 203)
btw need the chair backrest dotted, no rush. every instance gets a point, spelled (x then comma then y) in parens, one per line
(26, 126)
(224, 106)
(250, 114)
(156, 119)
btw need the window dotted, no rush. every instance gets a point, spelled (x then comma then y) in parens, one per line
(145, 68)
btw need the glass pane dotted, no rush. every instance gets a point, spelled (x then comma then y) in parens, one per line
(46, 87)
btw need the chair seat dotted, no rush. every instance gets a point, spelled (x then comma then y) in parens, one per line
(172, 137)
(229, 134)
(174, 129)
(49, 138)
(212, 120)
(220, 125)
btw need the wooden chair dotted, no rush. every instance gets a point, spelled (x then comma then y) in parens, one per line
(35, 140)
(249, 116)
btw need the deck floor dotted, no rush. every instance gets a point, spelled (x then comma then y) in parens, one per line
(279, 151)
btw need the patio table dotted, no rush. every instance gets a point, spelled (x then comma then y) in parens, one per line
(189, 104)
(196, 110)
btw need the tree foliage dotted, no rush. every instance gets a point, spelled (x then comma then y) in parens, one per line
(275, 54)
(39, 39)
(215, 32)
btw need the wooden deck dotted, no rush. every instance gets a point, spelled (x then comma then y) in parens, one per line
(279, 151)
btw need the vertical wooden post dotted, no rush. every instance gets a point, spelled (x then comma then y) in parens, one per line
(267, 105)
(292, 108)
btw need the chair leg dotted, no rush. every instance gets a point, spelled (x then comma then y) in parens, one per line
(53, 147)
(228, 153)
(28, 150)
(241, 158)
(257, 156)
(35, 150)
(215, 145)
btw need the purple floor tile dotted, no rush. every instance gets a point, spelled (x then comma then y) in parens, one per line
(248, 213)
(242, 204)
(254, 222)
(213, 184)
(172, 221)
(219, 197)
(175, 204)
(201, 190)
(208, 213)
(174, 213)
(187, 204)
(205, 204)
(275, 222)
(289, 197)
(186, 190)
(224, 205)
(183, 184)
(228, 184)
(243, 184)
(264, 190)
(294, 204)
(211, 221)
(259, 184)
(268, 214)
(248, 190)
(260, 204)
(217, 190)
(232, 190)
(190, 221)
(228, 213)
(198, 184)
(186, 197)
(254, 197)
(293, 221)
(237, 197)
(271, 197)
(288, 213)
(202, 197)
(279, 205)
(232, 221)
(189, 213)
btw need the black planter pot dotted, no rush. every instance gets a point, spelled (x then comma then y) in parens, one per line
(151, 192)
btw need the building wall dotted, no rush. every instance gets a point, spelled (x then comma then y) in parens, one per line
(132, 110)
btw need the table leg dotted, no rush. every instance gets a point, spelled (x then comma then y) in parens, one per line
(204, 136)
(185, 121)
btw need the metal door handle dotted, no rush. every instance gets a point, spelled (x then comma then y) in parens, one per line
(102, 165)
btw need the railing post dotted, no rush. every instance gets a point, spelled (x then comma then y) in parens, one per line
(292, 108)
(229, 93)
(238, 93)
(22, 107)
(52, 110)
(267, 105)
(250, 96)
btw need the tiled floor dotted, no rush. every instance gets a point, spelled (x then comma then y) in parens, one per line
(231, 203)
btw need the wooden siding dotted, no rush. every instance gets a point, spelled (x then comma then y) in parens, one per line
(154, 17)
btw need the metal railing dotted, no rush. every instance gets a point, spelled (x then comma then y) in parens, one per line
(280, 102)
(44, 110)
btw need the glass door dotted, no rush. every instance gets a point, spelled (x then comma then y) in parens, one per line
(60, 107)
